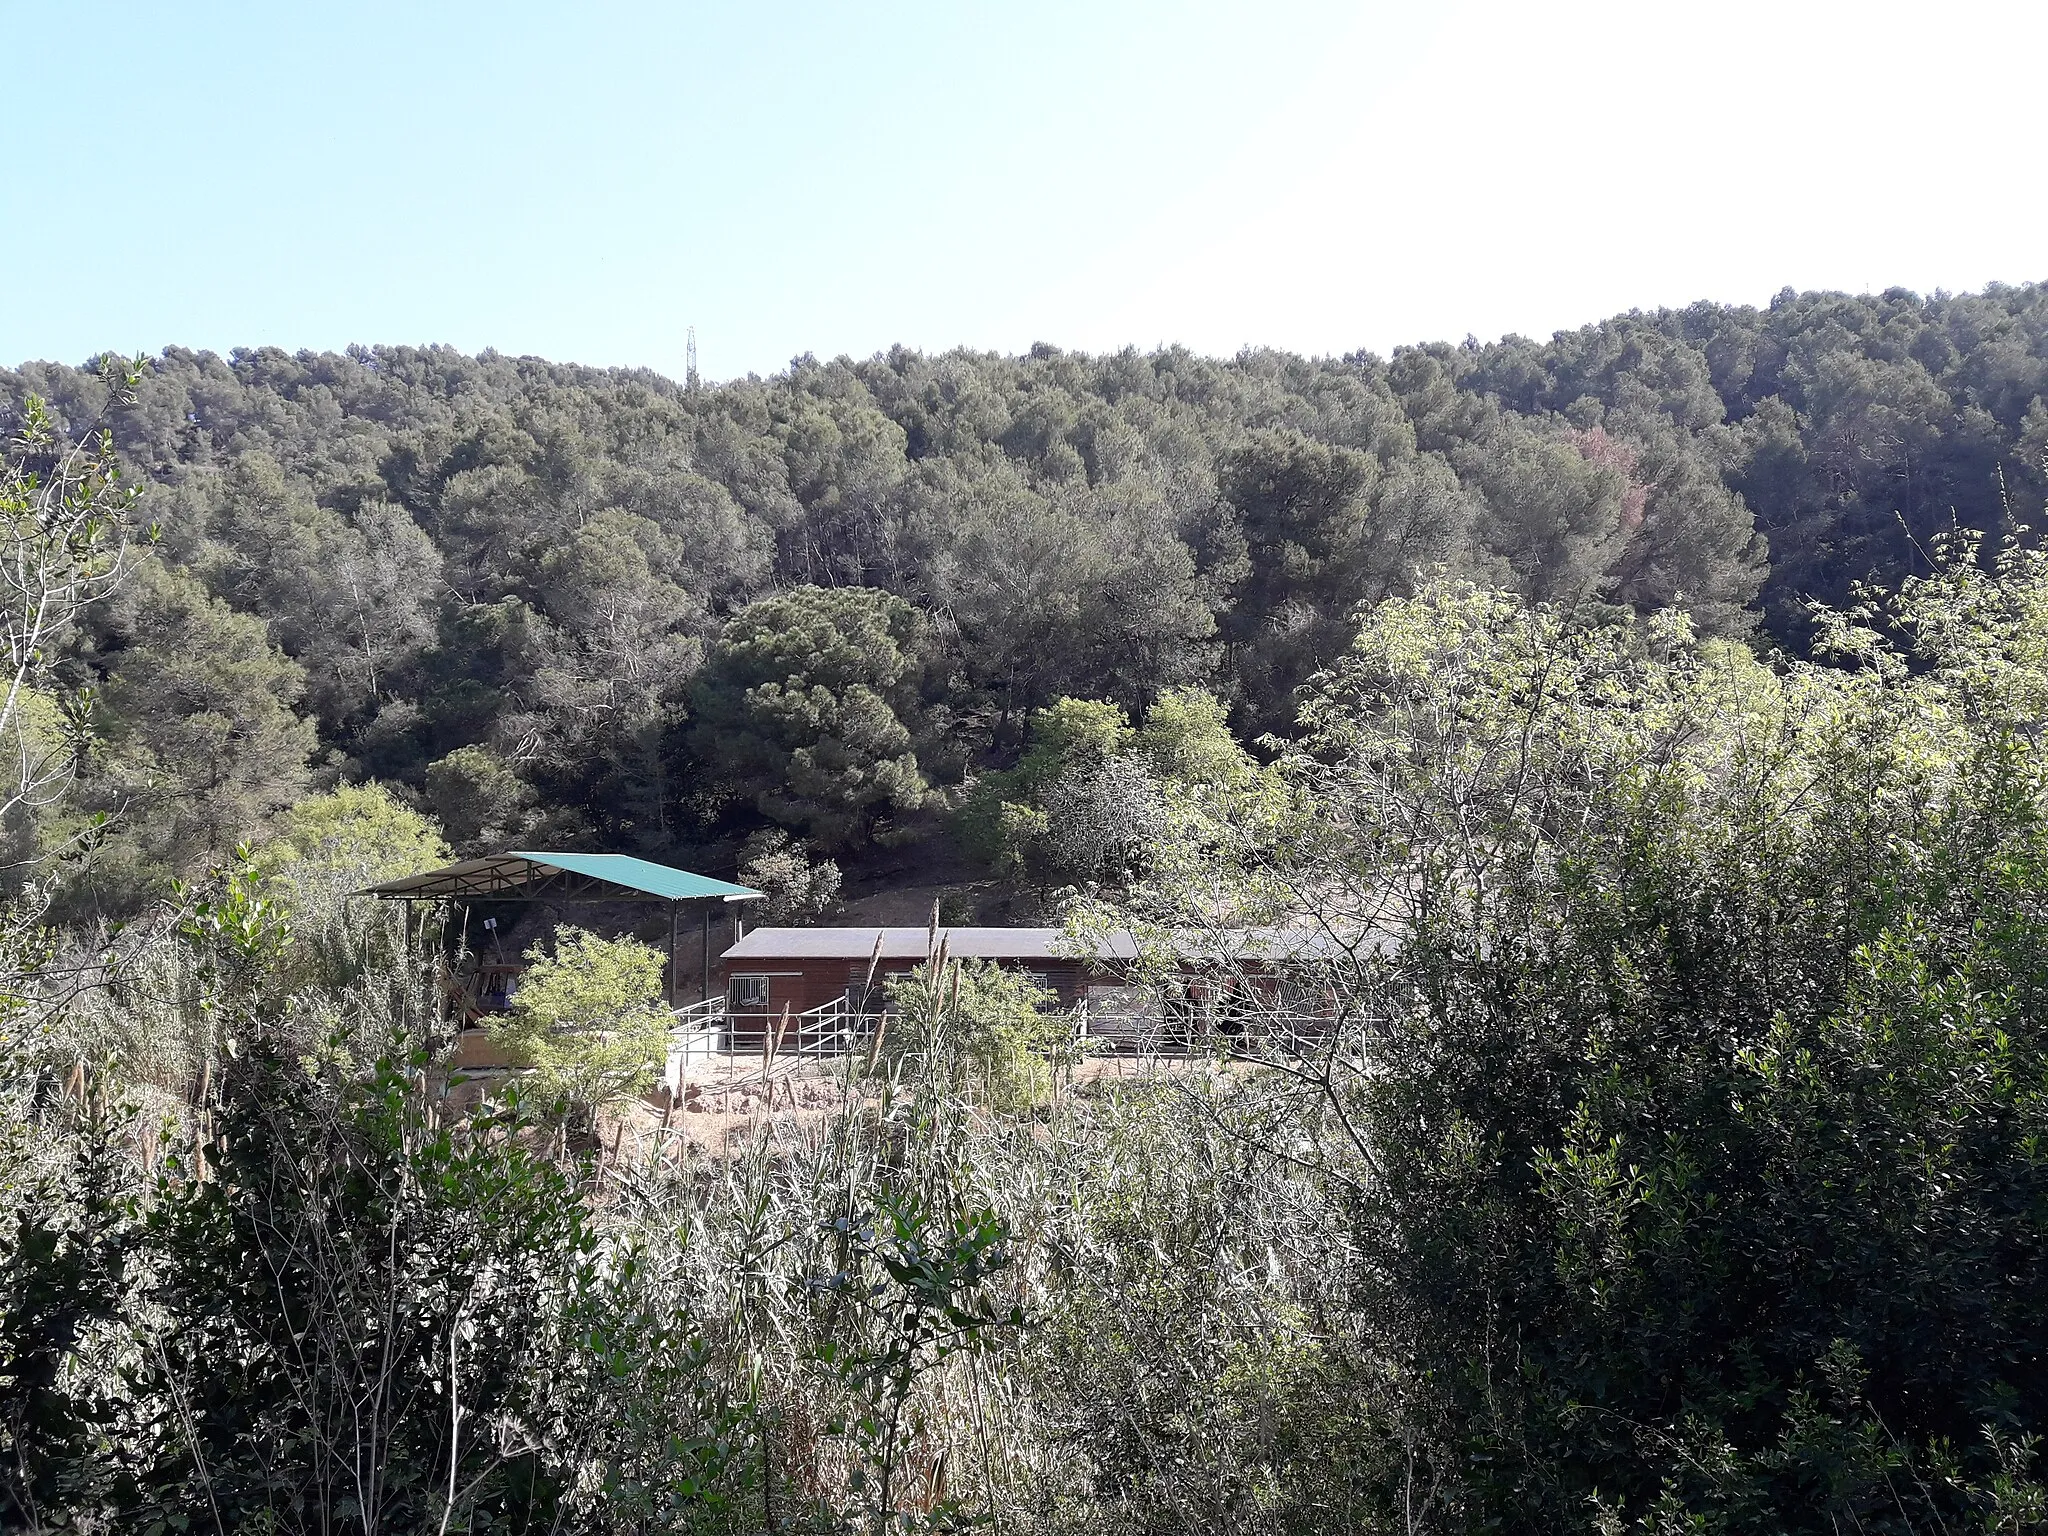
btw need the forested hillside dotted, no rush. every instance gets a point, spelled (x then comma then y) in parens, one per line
(576, 606)
(1586, 1066)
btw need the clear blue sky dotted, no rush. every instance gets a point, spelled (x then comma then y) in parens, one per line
(585, 181)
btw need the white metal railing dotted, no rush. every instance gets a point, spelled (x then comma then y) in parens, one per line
(713, 1028)
(698, 1031)
(1157, 1031)
(829, 1029)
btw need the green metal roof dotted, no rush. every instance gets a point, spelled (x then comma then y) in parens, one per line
(644, 875)
(543, 876)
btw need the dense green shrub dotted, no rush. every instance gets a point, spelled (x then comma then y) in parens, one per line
(1690, 1085)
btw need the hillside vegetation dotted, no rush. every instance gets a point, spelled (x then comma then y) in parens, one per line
(1670, 1160)
(571, 606)
(1641, 735)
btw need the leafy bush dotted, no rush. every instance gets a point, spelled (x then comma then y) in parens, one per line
(798, 888)
(1092, 802)
(588, 1020)
(358, 832)
(975, 1024)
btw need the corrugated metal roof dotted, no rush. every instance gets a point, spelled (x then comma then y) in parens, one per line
(1248, 944)
(523, 874)
(645, 875)
(900, 944)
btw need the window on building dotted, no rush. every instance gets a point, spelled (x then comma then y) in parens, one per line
(749, 994)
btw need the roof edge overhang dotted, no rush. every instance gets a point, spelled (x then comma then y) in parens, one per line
(529, 875)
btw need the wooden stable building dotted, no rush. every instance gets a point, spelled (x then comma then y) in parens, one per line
(819, 990)
(825, 972)
(475, 987)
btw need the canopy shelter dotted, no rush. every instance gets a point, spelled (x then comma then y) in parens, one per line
(566, 877)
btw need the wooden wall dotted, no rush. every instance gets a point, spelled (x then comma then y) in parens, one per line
(812, 983)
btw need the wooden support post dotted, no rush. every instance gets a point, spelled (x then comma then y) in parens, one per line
(673, 914)
(704, 989)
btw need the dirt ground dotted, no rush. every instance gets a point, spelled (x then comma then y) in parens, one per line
(730, 1101)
